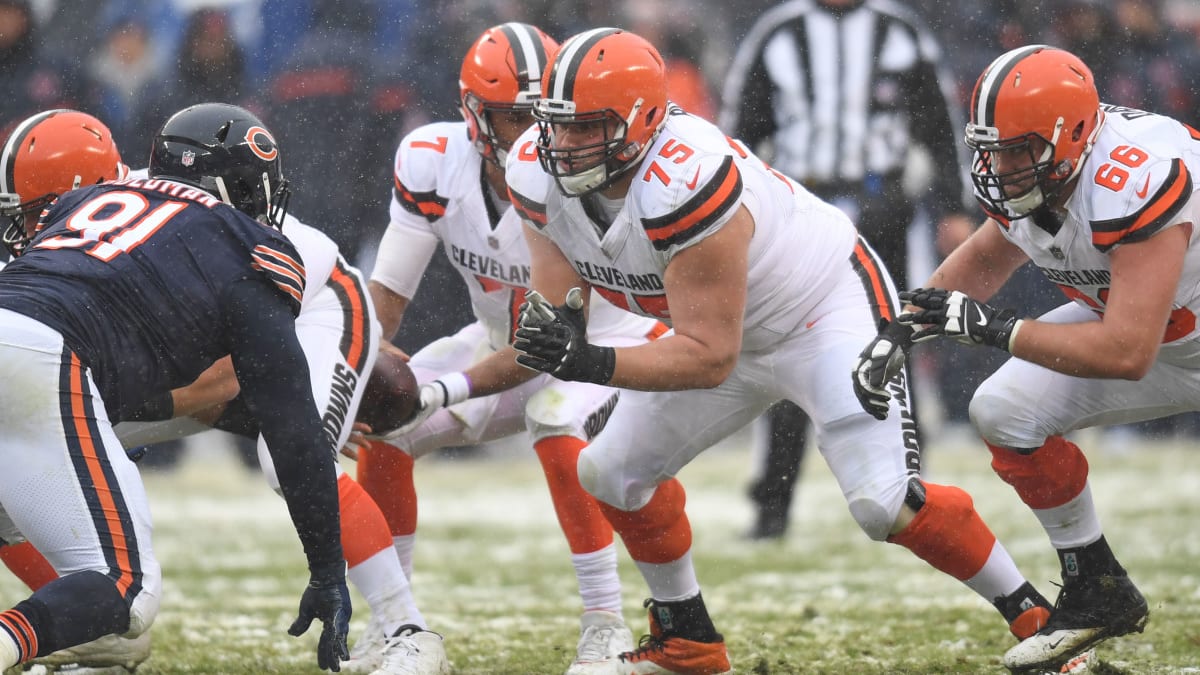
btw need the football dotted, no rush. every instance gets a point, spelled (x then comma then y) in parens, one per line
(391, 395)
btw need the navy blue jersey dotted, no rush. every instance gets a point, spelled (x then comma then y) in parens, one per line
(133, 273)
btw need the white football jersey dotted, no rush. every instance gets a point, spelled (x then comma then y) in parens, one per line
(440, 194)
(690, 183)
(1136, 182)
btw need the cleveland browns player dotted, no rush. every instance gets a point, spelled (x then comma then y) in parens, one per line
(338, 333)
(765, 287)
(124, 291)
(1103, 200)
(449, 188)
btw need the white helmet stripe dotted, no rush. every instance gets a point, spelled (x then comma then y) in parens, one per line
(528, 53)
(13, 145)
(993, 79)
(562, 78)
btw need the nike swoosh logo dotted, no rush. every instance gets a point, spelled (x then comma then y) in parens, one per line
(1145, 189)
(1055, 644)
(691, 184)
(982, 321)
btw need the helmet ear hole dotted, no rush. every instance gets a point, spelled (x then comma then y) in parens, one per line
(1077, 133)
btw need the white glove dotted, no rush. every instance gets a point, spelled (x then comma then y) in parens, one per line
(443, 392)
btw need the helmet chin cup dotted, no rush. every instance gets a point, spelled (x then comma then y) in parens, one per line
(1025, 203)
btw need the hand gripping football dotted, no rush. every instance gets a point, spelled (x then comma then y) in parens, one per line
(391, 395)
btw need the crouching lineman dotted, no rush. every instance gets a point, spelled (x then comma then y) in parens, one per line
(135, 287)
(1103, 200)
(450, 188)
(339, 335)
(766, 288)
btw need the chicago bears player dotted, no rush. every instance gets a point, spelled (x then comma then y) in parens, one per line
(134, 287)
(449, 188)
(339, 335)
(1102, 199)
(765, 287)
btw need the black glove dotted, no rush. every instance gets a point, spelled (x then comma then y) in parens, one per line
(955, 315)
(326, 598)
(554, 340)
(878, 363)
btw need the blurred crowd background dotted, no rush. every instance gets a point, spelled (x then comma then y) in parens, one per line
(340, 81)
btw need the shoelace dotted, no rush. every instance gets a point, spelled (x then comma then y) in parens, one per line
(594, 644)
(400, 654)
(646, 645)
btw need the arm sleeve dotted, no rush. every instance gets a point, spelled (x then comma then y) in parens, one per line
(273, 374)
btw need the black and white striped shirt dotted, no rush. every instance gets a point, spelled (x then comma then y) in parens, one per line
(842, 93)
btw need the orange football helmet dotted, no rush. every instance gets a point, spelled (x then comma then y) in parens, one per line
(46, 155)
(502, 73)
(607, 88)
(1039, 106)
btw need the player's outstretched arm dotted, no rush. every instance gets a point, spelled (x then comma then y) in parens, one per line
(274, 377)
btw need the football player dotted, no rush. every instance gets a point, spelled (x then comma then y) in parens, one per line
(765, 287)
(339, 335)
(1101, 198)
(449, 188)
(124, 291)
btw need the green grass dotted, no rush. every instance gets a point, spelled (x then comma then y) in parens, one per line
(492, 572)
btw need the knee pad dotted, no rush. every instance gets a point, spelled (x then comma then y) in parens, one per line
(876, 513)
(609, 486)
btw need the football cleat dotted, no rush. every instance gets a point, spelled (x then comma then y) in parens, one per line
(103, 652)
(662, 653)
(1085, 662)
(412, 650)
(602, 637)
(1088, 611)
(367, 653)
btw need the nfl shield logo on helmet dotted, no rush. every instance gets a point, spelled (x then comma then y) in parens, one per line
(188, 159)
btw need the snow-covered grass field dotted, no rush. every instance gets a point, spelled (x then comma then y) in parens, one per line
(492, 572)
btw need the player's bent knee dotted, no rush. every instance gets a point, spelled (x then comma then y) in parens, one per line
(607, 485)
(874, 518)
(990, 415)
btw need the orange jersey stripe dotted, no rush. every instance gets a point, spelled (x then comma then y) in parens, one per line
(352, 295)
(426, 204)
(104, 493)
(528, 209)
(700, 212)
(1143, 224)
(873, 275)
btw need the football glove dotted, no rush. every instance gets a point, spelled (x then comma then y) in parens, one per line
(953, 314)
(878, 364)
(554, 340)
(443, 392)
(327, 599)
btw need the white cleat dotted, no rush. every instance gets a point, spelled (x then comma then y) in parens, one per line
(1081, 664)
(602, 637)
(366, 656)
(412, 650)
(108, 651)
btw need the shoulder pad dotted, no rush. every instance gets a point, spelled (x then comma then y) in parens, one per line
(419, 160)
(528, 185)
(1142, 206)
(683, 196)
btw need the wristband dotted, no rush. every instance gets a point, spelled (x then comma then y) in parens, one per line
(456, 387)
(1012, 337)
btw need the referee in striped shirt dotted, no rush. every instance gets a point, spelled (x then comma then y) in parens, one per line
(834, 93)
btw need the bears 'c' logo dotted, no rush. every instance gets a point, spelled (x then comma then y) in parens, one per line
(262, 143)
